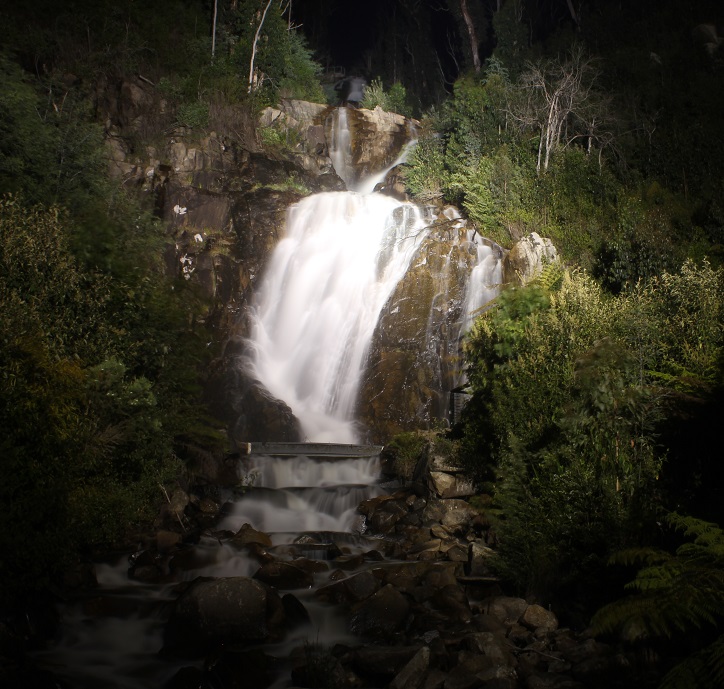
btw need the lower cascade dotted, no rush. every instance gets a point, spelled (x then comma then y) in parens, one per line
(297, 505)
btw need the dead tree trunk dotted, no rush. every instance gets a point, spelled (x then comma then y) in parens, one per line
(254, 46)
(471, 34)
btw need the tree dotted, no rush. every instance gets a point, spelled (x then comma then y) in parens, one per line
(678, 594)
(255, 43)
(557, 98)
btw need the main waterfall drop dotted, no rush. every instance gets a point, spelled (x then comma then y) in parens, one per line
(327, 285)
(321, 299)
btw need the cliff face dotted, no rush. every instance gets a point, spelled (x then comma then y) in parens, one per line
(224, 199)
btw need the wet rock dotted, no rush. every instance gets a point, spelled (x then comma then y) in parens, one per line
(412, 675)
(382, 663)
(251, 669)
(146, 566)
(351, 589)
(480, 555)
(381, 614)
(500, 677)
(262, 416)
(552, 680)
(456, 552)
(284, 576)
(185, 678)
(233, 610)
(537, 617)
(462, 677)
(167, 540)
(435, 680)
(492, 646)
(295, 611)
(452, 600)
(489, 623)
(248, 534)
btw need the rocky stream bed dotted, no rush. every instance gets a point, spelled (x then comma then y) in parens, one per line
(314, 570)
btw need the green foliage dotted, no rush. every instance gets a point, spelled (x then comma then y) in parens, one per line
(426, 172)
(571, 389)
(301, 74)
(193, 115)
(49, 148)
(404, 451)
(674, 595)
(99, 394)
(393, 99)
(283, 65)
(492, 194)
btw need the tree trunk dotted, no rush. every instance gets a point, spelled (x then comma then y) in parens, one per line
(213, 32)
(471, 34)
(572, 10)
(253, 48)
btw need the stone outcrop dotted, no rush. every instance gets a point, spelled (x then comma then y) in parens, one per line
(414, 359)
(527, 258)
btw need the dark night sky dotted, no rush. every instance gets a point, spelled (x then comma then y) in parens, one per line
(343, 28)
(342, 31)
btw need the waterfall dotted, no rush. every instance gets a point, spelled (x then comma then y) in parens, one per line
(323, 291)
(320, 300)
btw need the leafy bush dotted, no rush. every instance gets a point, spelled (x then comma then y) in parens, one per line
(676, 595)
(571, 389)
(193, 115)
(392, 100)
(99, 396)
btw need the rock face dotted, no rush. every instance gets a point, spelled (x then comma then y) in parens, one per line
(378, 139)
(414, 359)
(527, 258)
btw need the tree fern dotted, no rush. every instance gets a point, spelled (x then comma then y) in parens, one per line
(676, 594)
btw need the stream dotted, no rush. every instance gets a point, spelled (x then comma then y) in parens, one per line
(304, 498)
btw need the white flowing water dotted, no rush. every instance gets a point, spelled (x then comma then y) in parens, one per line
(320, 301)
(484, 282)
(293, 494)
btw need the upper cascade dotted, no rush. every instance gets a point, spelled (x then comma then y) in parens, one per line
(337, 271)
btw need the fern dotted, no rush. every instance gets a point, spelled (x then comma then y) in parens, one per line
(675, 594)
(704, 669)
(551, 276)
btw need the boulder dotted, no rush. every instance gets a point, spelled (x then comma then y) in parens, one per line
(450, 486)
(508, 610)
(284, 576)
(537, 617)
(527, 258)
(480, 555)
(382, 663)
(247, 534)
(412, 675)
(381, 614)
(457, 513)
(214, 612)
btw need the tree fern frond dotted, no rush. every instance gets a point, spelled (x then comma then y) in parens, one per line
(639, 556)
(701, 670)
(691, 526)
